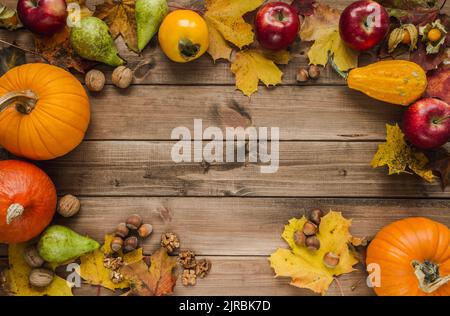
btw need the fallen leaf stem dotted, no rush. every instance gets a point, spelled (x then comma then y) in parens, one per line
(23, 49)
(175, 7)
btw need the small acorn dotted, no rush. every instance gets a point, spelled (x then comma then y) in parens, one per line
(302, 75)
(145, 230)
(130, 243)
(310, 229)
(299, 238)
(330, 260)
(312, 243)
(134, 221)
(315, 216)
(122, 230)
(314, 72)
(116, 244)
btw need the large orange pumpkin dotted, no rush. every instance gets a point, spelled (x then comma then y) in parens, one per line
(27, 201)
(413, 255)
(44, 111)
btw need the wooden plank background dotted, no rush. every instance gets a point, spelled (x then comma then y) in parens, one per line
(230, 212)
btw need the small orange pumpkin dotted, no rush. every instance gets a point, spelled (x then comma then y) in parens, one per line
(413, 256)
(44, 111)
(27, 201)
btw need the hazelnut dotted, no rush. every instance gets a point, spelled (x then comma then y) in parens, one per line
(116, 244)
(145, 230)
(95, 80)
(134, 221)
(315, 216)
(302, 75)
(299, 238)
(130, 244)
(40, 277)
(122, 77)
(312, 243)
(32, 258)
(331, 260)
(310, 229)
(314, 72)
(68, 205)
(122, 230)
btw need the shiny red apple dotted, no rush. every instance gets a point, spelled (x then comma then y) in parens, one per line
(426, 123)
(363, 24)
(276, 25)
(43, 17)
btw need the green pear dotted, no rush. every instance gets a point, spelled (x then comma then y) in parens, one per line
(149, 15)
(59, 244)
(92, 40)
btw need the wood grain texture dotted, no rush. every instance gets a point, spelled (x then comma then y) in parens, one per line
(237, 226)
(246, 276)
(141, 168)
(301, 113)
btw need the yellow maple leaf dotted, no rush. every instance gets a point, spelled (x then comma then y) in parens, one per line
(17, 282)
(322, 28)
(120, 17)
(305, 267)
(93, 271)
(224, 17)
(251, 66)
(218, 47)
(399, 156)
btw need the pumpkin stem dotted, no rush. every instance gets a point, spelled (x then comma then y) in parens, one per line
(14, 211)
(24, 100)
(428, 275)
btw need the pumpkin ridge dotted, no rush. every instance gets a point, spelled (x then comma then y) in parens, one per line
(403, 249)
(40, 137)
(69, 109)
(37, 122)
(43, 111)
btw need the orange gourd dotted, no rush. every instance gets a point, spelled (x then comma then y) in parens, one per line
(413, 256)
(393, 81)
(27, 201)
(44, 111)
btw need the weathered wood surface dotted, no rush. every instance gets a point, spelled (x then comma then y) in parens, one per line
(232, 213)
(237, 226)
(145, 168)
(302, 113)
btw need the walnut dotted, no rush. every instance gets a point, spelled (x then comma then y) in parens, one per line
(203, 267)
(189, 277)
(32, 258)
(40, 277)
(113, 263)
(122, 77)
(187, 259)
(170, 241)
(68, 205)
(116, 277)
(95, 80)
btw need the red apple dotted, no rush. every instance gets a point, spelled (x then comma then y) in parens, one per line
(363, 24)
(426, 123)
(43, 17)
(276, 25)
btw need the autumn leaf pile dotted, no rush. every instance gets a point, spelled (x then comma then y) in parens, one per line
(306, 267)
(138, 278)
